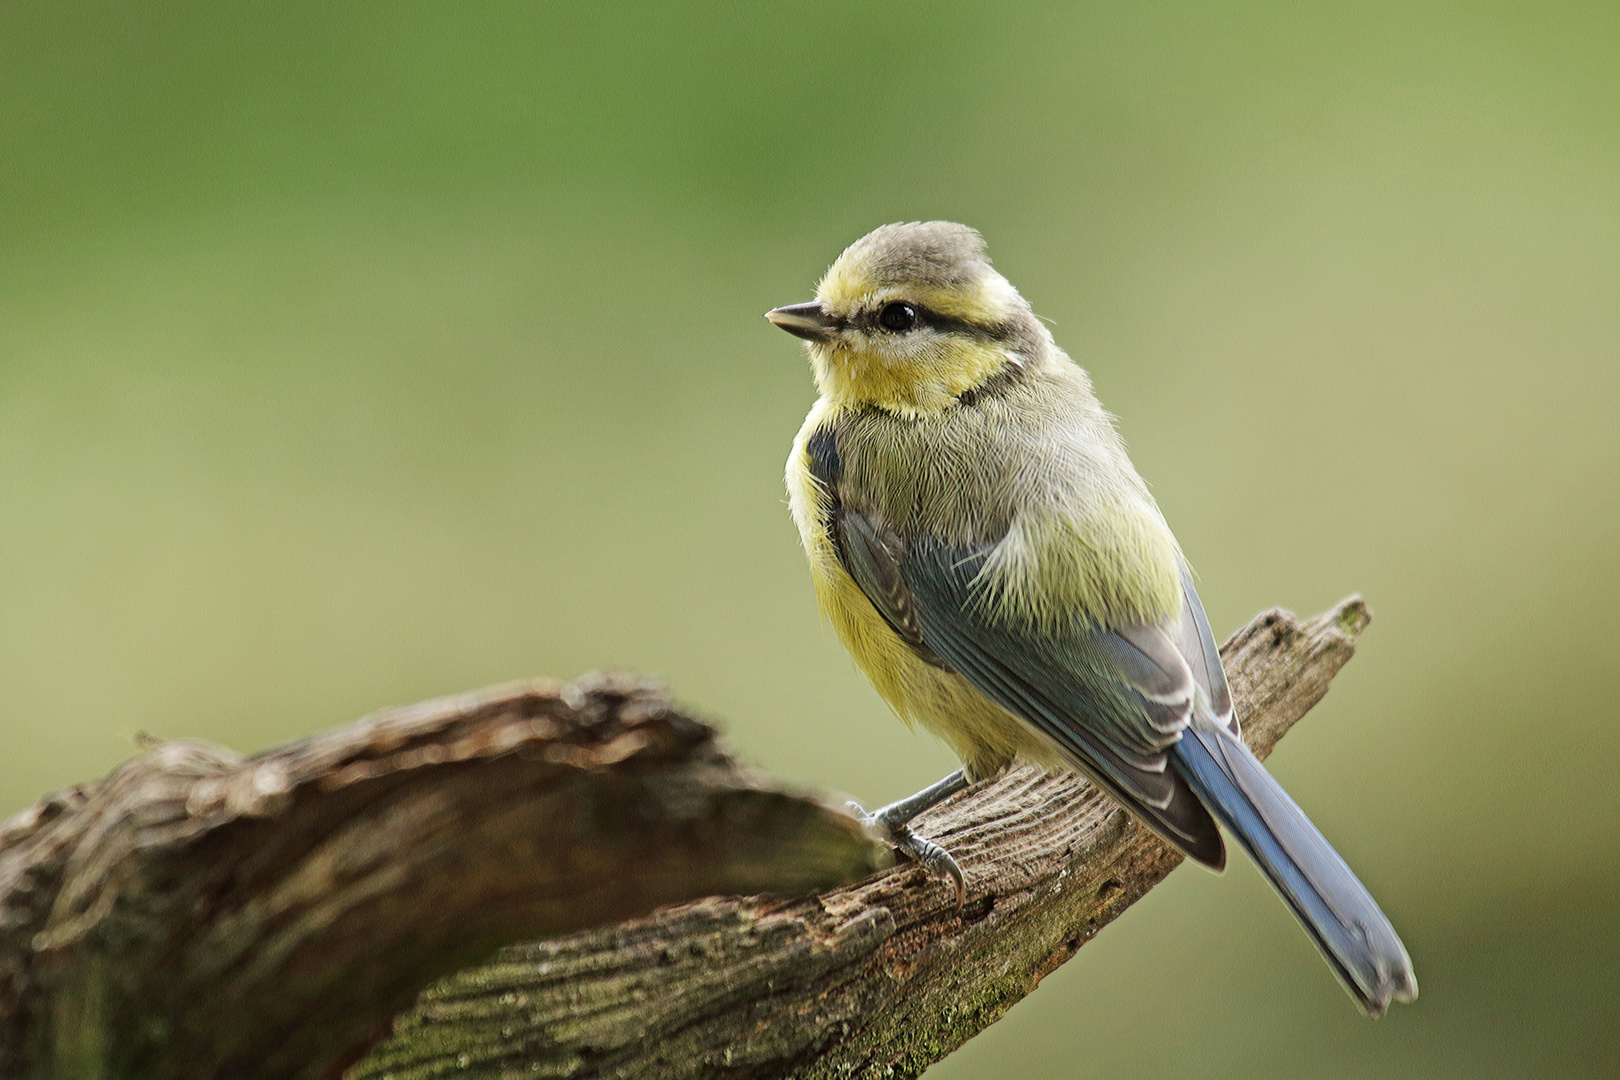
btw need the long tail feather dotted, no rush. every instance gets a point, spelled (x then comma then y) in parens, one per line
(1334, 907)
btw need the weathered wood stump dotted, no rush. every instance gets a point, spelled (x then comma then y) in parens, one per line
(195, 914)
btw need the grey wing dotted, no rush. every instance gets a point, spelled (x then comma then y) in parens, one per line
(1113, 699)
(873, 558)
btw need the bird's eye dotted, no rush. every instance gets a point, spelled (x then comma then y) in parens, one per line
(897, 316)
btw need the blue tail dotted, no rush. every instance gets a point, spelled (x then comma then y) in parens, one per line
(1334, 907)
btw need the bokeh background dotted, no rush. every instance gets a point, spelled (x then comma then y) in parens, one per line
(356, 353)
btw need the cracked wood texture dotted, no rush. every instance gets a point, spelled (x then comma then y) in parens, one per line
(878, 979)
(197, 915)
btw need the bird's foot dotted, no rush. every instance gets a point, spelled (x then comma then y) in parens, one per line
(933, 858)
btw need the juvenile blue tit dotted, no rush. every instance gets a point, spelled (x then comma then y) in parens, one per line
(987, 552)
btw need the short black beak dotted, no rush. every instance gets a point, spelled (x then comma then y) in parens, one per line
(809, 321)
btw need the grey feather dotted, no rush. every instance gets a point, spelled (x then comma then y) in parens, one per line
(1076, 688)
(1197, 645)
(872, 556)
(1147, 659)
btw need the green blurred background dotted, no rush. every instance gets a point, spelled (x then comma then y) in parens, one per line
(355, 353)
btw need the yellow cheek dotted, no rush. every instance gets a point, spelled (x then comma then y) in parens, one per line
(907, 385)
(968, 364)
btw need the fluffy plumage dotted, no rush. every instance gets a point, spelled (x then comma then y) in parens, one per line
(983, 546)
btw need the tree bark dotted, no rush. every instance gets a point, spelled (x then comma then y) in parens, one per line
(199, 915)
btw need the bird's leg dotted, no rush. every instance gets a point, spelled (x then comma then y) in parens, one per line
(895, 819)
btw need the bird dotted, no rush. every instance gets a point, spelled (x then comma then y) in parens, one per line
(984, 548)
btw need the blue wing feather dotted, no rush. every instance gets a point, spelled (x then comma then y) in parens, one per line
(1332, 905)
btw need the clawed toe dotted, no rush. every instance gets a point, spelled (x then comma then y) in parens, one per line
(892, 822)
(933, 858)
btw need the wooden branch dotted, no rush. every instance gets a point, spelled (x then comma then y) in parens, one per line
(197, 915)
(879, 979)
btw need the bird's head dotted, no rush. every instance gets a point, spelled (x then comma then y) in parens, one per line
(911, 317)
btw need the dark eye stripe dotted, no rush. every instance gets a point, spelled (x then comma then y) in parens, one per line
(947, 324)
